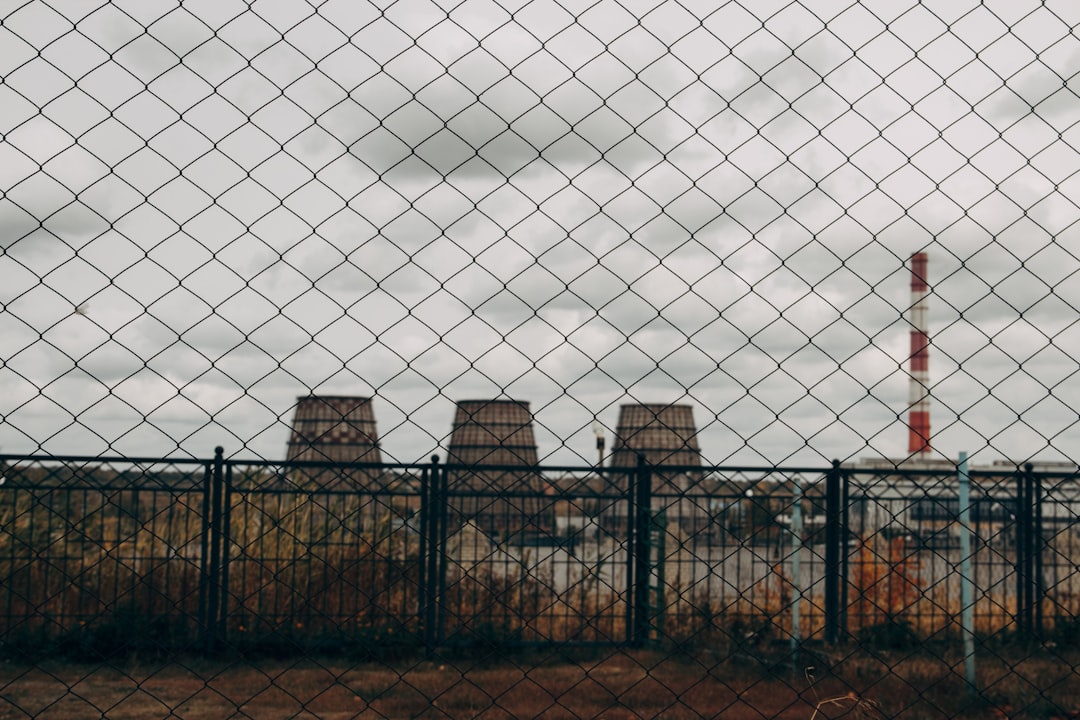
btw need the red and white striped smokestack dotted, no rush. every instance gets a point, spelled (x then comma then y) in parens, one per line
(919, 389)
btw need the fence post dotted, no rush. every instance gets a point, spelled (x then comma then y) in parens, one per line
(1023, 553)
(423, 601)
(845, 550)
(631, 550)
(833, 541)
(224, 541)
(1029, 547)
(429, 549)
(442, 506)
(212, 534)
(642, 526)
(1037, 542)
(204, 623)
(796, 569)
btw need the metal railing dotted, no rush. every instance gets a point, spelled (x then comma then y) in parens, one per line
(307, 557)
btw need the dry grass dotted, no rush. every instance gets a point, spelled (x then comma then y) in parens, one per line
(98, 574)
(82, 569)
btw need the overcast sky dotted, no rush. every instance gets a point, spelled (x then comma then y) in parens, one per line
(211, 209)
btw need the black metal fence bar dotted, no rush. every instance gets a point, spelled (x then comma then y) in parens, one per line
(426, 590)
(439, 510)
(835, 543)
(207, 614)
(1037, 551)
(1025, 544)
(640, 554)
(216, 588)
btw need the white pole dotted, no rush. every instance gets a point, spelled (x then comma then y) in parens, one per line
(967, 580)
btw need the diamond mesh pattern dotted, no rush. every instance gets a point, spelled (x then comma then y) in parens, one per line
(212, 209)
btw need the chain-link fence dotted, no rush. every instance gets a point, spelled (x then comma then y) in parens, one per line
(636, 272)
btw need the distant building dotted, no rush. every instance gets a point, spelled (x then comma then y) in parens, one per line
(919, 497)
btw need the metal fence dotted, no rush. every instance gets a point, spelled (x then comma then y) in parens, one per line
(307, 557)
(213, 213)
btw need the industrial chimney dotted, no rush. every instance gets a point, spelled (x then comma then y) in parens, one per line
(919, 387)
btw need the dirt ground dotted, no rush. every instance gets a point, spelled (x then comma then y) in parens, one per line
(613, 685)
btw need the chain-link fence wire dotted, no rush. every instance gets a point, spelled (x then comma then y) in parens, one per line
(211, 209)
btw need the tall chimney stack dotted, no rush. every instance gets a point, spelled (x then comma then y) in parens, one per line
(919, 388)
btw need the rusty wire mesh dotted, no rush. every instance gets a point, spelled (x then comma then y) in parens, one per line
(219, 217)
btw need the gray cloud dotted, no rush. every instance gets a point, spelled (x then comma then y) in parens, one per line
(423, 205)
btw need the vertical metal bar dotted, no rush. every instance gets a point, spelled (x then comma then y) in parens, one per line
(439, 477)
(1018, 582)
(833, 540)
(632, 481)
(226, 534)
(432, 567)
(204, 560)
(214, 570)
(423, 600)
(1029, 553)
(967, 580)
(845, 550)
(1037, 543)
(643, 503)
(796, 569)
(1022, 517)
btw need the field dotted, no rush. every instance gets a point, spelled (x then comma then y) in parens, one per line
(596, 684)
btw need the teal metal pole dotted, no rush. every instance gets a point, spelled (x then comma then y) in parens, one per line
(967, 580)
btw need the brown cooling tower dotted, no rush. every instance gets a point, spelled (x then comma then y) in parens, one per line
(488, 433)
(334, 428)
(664, 434)
(493, 432)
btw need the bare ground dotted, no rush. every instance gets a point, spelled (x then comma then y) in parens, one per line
(612, 684)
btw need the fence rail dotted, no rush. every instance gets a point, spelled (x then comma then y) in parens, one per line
(217, 554)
